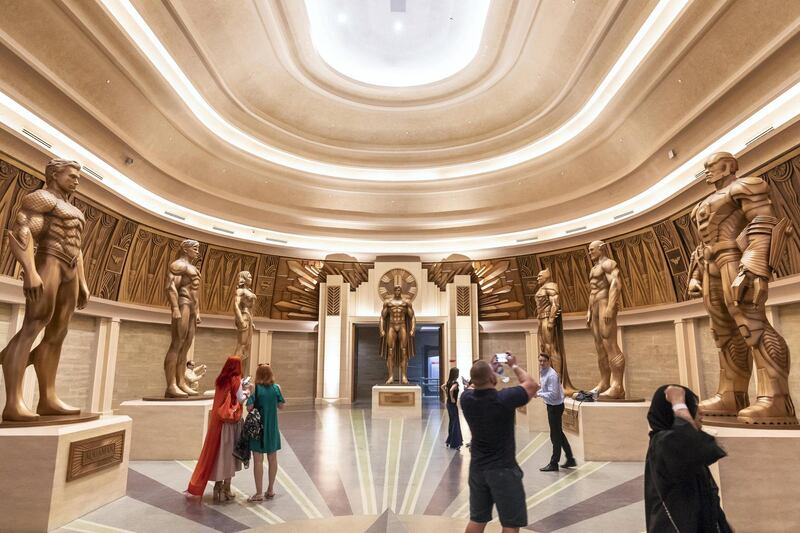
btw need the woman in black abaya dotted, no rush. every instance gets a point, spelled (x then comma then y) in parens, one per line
(679, 493)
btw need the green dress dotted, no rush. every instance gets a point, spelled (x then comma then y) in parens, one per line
(266, 399)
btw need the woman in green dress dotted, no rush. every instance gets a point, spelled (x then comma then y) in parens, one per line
(267, 398)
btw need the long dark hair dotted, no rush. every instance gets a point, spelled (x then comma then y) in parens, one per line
(452, 377)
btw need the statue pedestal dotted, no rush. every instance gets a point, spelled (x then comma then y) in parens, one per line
(403, 401)
(167, 430)
(757, 479)
(606, 431)
(52, 475)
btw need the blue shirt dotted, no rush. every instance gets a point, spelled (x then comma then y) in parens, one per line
(490, 414)
(551, 391)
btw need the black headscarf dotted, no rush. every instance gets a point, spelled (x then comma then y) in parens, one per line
(660, 416)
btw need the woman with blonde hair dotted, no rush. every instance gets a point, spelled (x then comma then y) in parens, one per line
(216, 462)
(267, 398)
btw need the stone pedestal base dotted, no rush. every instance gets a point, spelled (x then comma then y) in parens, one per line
(36, 463)
(606, 431)
(169, 430)
(537, 416)
(757, 479)
(404, 401)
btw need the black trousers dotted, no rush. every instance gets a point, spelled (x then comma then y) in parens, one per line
(557, 437)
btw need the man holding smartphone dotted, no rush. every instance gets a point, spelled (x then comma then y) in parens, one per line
(495, 478)
(552, 393)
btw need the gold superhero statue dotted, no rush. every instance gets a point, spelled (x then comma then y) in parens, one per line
(742, 243)
(605, 300)
(54, 284)
(183, 288)
(243, 303)
(396, 328)
(551, 330)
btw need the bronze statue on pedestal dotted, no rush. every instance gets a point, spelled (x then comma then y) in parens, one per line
(551, 330)
(183, 293)
(243, 304)
(54, 283)
(397, 327)
(742, 242)
(605, 295)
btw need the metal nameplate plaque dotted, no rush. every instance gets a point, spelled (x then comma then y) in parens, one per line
(91, 455)
(569, 420)
(396, 399)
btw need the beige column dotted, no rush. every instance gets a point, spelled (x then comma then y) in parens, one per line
(532, 352)
(686, 340)
(29, 381)
(105, 365)
(621, 343)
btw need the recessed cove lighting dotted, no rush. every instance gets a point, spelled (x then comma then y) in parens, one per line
(397, 26)
(341, 18)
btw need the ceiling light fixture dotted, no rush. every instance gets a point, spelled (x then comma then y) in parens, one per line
(646, 38)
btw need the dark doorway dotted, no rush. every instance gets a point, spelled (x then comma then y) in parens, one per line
(370, 369)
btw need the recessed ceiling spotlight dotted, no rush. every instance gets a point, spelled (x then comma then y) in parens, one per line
(398, 26)
(341, 18)
(129, 161)
(671, 154)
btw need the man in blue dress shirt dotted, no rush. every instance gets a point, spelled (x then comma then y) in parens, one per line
(553, 395)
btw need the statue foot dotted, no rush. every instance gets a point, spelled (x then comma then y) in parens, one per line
(174, 392)
(390, 380)
(55, 406)
(614, 393)
(600, 388)
(19, 412)
(404, 380)
(776, 409)
(188, 390)
(728, 403)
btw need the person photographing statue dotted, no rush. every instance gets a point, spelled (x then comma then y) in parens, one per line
(552, 393)
(495, 478)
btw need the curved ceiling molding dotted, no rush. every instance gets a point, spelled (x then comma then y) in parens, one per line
(649, 34)
(768, 119)
(416, 43)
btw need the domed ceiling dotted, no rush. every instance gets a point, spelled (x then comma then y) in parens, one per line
(398, 126)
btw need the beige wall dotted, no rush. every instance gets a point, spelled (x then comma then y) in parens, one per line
(651, 358)
(581, 358)
(492, 343)
(140, 361)
(212, 346)
(789, 327)
(293, 361)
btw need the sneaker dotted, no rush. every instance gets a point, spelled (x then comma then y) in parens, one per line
(549, 468)
(569, 463)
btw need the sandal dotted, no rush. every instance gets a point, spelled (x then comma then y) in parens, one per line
(269, 495)
(255, 498)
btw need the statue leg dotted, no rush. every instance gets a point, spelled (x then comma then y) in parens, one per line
(47, 355)
(403, 356)
(616, 359)
(391, 339)
(180, 328)
(180, 369)
(16, 355)
(774, 404)
(602, 355)
(735, 361)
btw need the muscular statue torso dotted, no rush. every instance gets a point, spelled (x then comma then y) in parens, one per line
(57, 224)
(544, 303)
(397, 313)
(187, 282)
(598, 280)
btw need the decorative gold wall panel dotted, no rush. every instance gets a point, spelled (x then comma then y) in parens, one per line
(127, 261)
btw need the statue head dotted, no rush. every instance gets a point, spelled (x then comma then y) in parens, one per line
(191, 248)
(398, 291)
(543, 276)
(62, 174)
(245, 279)
(719, 166)
(596, 250)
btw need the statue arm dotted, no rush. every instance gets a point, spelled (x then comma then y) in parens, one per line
(614, 288)
(173, 279)
(83, 287)
(555, 305)
(381, 322)
(237, 302)
(412, 319)
(27, 226)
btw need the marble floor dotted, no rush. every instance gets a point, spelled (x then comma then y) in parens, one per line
(342, 471)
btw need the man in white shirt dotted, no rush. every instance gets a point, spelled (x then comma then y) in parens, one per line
(553, 395)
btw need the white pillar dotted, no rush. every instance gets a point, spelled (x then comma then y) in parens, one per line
(333, 312)
(105, 365)
(688, 365)
(463, 321)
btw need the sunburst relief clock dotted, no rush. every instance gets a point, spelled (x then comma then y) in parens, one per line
(397, 277)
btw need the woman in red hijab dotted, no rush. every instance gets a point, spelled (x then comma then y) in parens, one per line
(216, 462)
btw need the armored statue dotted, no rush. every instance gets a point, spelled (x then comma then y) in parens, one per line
(605, 300)
(551, 329)
(742, 242)
(183, 293)
(46, 240)
(243, 303)
(396, 329)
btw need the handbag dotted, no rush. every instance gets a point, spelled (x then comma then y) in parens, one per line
(253, 427)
